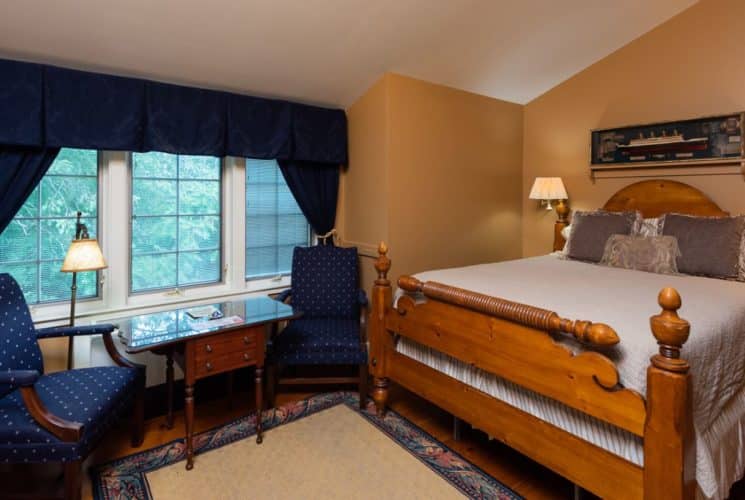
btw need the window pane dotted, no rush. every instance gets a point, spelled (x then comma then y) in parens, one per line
(35, 242)
(154, 234)
(55, 286)
(154, 197)
(199, 197)
(19, 242)
(176, 203)
(31, 207)
(27, 276)
(157, 165)
(198, 267)
(153, 271)
(56, 235)
(75, 162)
(199, 233)
(198, 167)
(274, 223)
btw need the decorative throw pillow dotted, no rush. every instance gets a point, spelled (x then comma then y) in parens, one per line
(649, 227)
(654, 254)
(590, 231)
(709, 246)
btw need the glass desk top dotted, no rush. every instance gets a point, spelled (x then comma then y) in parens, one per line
(147, 331)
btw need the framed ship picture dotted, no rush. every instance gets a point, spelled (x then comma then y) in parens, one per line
(711, 140)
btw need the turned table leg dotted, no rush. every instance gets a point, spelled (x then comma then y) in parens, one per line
(169, 388)
(189, 414)
(259, 403)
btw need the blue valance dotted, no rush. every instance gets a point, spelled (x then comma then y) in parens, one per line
(49, 107)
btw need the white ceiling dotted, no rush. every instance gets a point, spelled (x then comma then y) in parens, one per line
(330, 51)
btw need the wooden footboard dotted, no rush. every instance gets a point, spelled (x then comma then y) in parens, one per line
(516, 342)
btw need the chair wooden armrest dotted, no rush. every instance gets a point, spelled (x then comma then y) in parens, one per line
(63, 429)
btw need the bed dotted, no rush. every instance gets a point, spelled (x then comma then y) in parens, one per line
(618, 409)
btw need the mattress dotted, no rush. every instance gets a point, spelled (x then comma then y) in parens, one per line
(624, 299)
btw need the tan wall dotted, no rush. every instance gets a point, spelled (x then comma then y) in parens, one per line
(443, 188)
(690, 66)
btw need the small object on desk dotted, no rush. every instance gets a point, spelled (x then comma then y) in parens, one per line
(204, 312)
(203, 326)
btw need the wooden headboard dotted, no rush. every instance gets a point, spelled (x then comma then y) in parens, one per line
(654, 198)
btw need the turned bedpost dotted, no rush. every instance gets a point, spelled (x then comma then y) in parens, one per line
(669, 443)
(379, 337)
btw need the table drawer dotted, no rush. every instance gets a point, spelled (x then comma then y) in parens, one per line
(220, 345)
(224, 363)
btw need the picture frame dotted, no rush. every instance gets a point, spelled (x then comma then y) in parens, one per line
(711, 140)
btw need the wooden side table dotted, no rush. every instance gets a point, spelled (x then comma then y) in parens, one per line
(201, 354)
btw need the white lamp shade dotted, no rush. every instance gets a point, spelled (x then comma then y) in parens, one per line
(83, 255)
(548, 188)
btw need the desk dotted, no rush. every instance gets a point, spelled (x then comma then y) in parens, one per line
(205, 348)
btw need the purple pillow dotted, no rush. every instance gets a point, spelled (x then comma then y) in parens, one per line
(709, 246)
(591, 230)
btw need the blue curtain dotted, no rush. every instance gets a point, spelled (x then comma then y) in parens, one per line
(47, 106)
(315, 187)
(21, 169)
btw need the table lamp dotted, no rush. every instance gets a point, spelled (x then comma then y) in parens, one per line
(84, 254)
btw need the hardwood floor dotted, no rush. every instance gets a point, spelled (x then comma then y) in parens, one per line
(526, 477)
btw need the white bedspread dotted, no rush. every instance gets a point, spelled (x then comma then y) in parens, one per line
(625, 300)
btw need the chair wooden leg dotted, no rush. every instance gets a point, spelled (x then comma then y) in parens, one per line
(271, 384)
(138, 417)
(363, 386)
(73, 479)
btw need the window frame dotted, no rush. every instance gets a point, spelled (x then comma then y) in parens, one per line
(177, 289)
(38, 261)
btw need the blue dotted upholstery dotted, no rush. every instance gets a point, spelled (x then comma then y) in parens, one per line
(94, 397)
(325, 289)
(18, 347)
(320, 342)
(325, 282)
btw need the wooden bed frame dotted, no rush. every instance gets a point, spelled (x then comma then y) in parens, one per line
(512, 341)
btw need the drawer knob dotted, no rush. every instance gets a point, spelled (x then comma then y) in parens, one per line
(246, 340)
(208, 348)
(246, 356)
(209, 366)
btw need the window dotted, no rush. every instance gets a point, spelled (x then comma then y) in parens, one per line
(33, 246)
(176, 233)
(274, 223)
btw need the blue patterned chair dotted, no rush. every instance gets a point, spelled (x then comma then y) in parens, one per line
(331, 331)
(58, 417)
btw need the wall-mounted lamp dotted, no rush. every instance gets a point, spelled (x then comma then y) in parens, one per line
(548, 189)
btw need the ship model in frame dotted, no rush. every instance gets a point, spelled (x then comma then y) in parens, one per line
(714, 140)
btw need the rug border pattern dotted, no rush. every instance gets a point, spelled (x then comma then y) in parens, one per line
(125, 478)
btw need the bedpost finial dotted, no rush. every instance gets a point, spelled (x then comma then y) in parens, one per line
(410, 284)
(382, 265)
(671, 332)
(382, 248)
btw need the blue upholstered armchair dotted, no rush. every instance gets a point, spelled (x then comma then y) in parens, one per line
(325, 289)
(58, 417)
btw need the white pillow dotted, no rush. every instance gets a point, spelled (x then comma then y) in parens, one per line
(650, 227)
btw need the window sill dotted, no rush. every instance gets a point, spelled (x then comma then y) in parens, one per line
(98, 312)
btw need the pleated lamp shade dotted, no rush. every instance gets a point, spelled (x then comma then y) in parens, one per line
(548, 188)
(83, 255)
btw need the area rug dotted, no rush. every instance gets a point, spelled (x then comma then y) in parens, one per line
(321, 447)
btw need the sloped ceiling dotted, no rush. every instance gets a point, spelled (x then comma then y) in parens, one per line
(330, 51)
